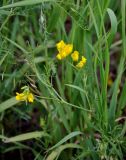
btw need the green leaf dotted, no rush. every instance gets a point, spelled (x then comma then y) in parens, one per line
(93, 19)
(66, 138)
(8, 104)
(4, 12)
(75, 87)
(122, 100)
(26, 136)
(56, 153)
(25, 3)
(113, 102)
(54, 18)
(114, 24)
(3, 58)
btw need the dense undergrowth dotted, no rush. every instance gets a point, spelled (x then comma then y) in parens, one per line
(66, 112)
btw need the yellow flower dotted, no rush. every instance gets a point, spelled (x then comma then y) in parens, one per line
(64, 50)
(59, 57)
(63, 54)
(68, 49)
(60, 45)
(20, 96)
(26, 95)
(84, 59)
(81, 63)
(75, 56)
(30, 97)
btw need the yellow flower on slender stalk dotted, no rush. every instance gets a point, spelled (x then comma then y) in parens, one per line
(59, 57)
(60, 45)
(64, 50)
(84, 59)
(82, 62)
(30, 97)
(68, 49)
(75, 56)
(26, 95)
(20, 96)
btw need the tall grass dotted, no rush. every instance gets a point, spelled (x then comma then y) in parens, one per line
(80, 116)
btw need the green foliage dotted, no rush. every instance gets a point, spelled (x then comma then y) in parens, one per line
(76, 114)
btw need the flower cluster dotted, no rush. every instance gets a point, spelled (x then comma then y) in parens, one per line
(26, 95)
(63, 49)
(66, 49)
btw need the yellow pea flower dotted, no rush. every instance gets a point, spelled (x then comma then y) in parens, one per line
(60, 45)
(20, 96)
(75, 56)
(68, 49)
(30, 97)
(26, 95)
(59, 57)
(84, 59)
(63, 49)
(82, 62)
(63, 54)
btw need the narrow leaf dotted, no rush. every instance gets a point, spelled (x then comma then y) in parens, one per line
(56, 153)
(26, 136)
(114, 24)
(24, 3)
(66, 138)
(75, 87)
(8, 104)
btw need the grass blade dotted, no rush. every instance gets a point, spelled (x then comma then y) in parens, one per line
(114, 24)
(24, 3)
(26, 136)
(66, 138)
(56, 153)
(8, 104)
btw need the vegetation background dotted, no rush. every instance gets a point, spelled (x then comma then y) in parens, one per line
(77, 114)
